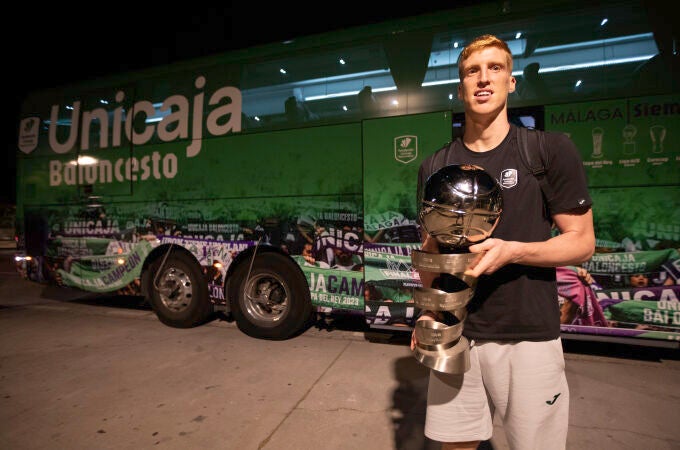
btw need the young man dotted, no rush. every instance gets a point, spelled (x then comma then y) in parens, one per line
(513, 321)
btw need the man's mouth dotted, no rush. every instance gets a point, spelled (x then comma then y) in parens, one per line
(482, 94)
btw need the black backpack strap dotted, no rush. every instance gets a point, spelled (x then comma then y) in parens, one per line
(439, 163)
(534, 156)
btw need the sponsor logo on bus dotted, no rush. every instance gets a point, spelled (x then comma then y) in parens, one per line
(180, 118)
(405, 148)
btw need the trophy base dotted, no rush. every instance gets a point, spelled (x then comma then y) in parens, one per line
(453, 360)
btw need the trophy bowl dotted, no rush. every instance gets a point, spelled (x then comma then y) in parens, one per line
(460, 206)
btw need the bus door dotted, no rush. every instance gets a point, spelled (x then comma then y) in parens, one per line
(393, 149)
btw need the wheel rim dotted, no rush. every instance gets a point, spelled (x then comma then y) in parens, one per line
(266, 299)
(175, 289)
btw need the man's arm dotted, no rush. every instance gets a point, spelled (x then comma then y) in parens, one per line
(574, 245)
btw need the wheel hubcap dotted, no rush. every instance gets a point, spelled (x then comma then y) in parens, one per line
(266, 298)
(175, 289)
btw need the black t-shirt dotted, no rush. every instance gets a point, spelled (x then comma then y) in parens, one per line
(519, 302)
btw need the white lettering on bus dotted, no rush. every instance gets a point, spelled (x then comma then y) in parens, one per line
(145, 108)
(224, 118)
(104, 171)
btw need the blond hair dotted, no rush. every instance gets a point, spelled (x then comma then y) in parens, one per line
(480, 43)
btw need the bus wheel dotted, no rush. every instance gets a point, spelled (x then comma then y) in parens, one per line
(273, 302)
(178, 294)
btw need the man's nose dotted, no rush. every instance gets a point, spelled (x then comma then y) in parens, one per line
(483, 75)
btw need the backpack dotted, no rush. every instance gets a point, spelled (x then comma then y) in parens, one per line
(532, 151)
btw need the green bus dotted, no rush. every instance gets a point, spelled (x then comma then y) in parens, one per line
(277, 183)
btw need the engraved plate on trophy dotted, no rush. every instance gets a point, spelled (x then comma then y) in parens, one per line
(460, 206)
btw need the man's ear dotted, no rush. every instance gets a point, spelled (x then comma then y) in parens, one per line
(513, 84)
(460, 91)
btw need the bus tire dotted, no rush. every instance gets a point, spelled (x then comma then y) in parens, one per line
(180, 296)
(274, 302)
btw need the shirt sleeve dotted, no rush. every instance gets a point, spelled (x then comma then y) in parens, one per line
(566, 175)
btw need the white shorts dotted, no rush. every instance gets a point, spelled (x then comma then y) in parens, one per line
(523, 382)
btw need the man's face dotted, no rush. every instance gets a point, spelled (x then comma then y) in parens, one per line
(486, 82)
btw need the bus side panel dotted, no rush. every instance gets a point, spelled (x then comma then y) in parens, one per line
(302, 162)
(630, 148)
(393, 150)
(300, 190)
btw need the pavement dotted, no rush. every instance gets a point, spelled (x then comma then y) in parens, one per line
(79, 371)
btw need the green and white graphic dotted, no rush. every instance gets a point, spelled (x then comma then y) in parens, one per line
(628, 142)
(123, 269)
(393, 150)
(636, 218)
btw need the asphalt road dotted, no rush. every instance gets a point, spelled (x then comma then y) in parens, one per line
(94, 372)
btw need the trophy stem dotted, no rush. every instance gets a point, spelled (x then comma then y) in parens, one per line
(440, 344)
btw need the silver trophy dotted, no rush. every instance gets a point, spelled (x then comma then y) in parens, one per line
(460, 206)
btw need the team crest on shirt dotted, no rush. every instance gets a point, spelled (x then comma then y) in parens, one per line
(509, 178)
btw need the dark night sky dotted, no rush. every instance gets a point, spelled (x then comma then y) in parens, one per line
(52, 46)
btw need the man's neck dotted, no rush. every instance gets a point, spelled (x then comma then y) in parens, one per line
(483, 136)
